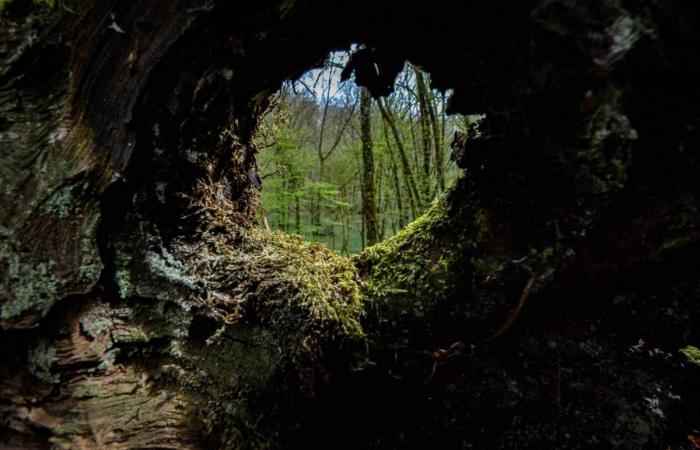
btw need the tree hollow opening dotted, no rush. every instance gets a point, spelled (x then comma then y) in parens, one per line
(342, 167)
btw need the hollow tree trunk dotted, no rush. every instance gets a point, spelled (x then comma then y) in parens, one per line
(540, 303)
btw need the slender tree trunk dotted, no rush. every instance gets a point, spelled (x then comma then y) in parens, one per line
(425, 127)
(343, 221)
(438, 132)
(382, 193)
(400, 208)
(414, 194)
(397, 179)
(297, 213)
(369, 197)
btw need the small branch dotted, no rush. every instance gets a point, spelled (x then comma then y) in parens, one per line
(515, 313)
(279, 171)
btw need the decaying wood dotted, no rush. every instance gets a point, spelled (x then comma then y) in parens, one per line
(142, 306)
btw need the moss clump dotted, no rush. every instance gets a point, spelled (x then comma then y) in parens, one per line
(692, 353)
(244, 282)
(398, 265)
(414, 271)
(304, 293)
(277, 317)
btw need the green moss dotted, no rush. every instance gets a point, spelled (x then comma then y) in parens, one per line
(692, 353)
(416, 263)
(303, 294)
(295, 305)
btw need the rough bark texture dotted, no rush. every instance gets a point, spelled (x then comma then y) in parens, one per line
(369, 197)
(549, 299)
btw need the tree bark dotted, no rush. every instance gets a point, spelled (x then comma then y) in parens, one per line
(438, 134)
(548, 300)
(426, 140)
(412, 189)
(369, 197)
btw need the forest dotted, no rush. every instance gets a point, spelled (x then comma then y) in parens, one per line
(357, 224)
(348, 170)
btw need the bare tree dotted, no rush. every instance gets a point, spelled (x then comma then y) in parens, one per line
(369, 198)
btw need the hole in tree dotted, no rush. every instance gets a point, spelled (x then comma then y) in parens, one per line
(328, 178)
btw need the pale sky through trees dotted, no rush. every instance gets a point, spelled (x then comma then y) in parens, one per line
(312, 162)
(315, 81)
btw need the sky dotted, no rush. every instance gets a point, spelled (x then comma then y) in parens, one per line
(317, 80)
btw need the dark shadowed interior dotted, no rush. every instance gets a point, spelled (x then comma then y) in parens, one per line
(549, 299)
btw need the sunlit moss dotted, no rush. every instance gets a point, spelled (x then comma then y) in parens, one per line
(692, 353)
(415, 270)
(304, 294)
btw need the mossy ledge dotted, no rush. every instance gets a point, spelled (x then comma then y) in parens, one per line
(258, 309)
(150, 320)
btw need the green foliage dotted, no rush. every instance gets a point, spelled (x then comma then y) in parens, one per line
(311, 162)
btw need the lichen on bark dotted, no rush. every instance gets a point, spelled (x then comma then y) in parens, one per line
(541, 302)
